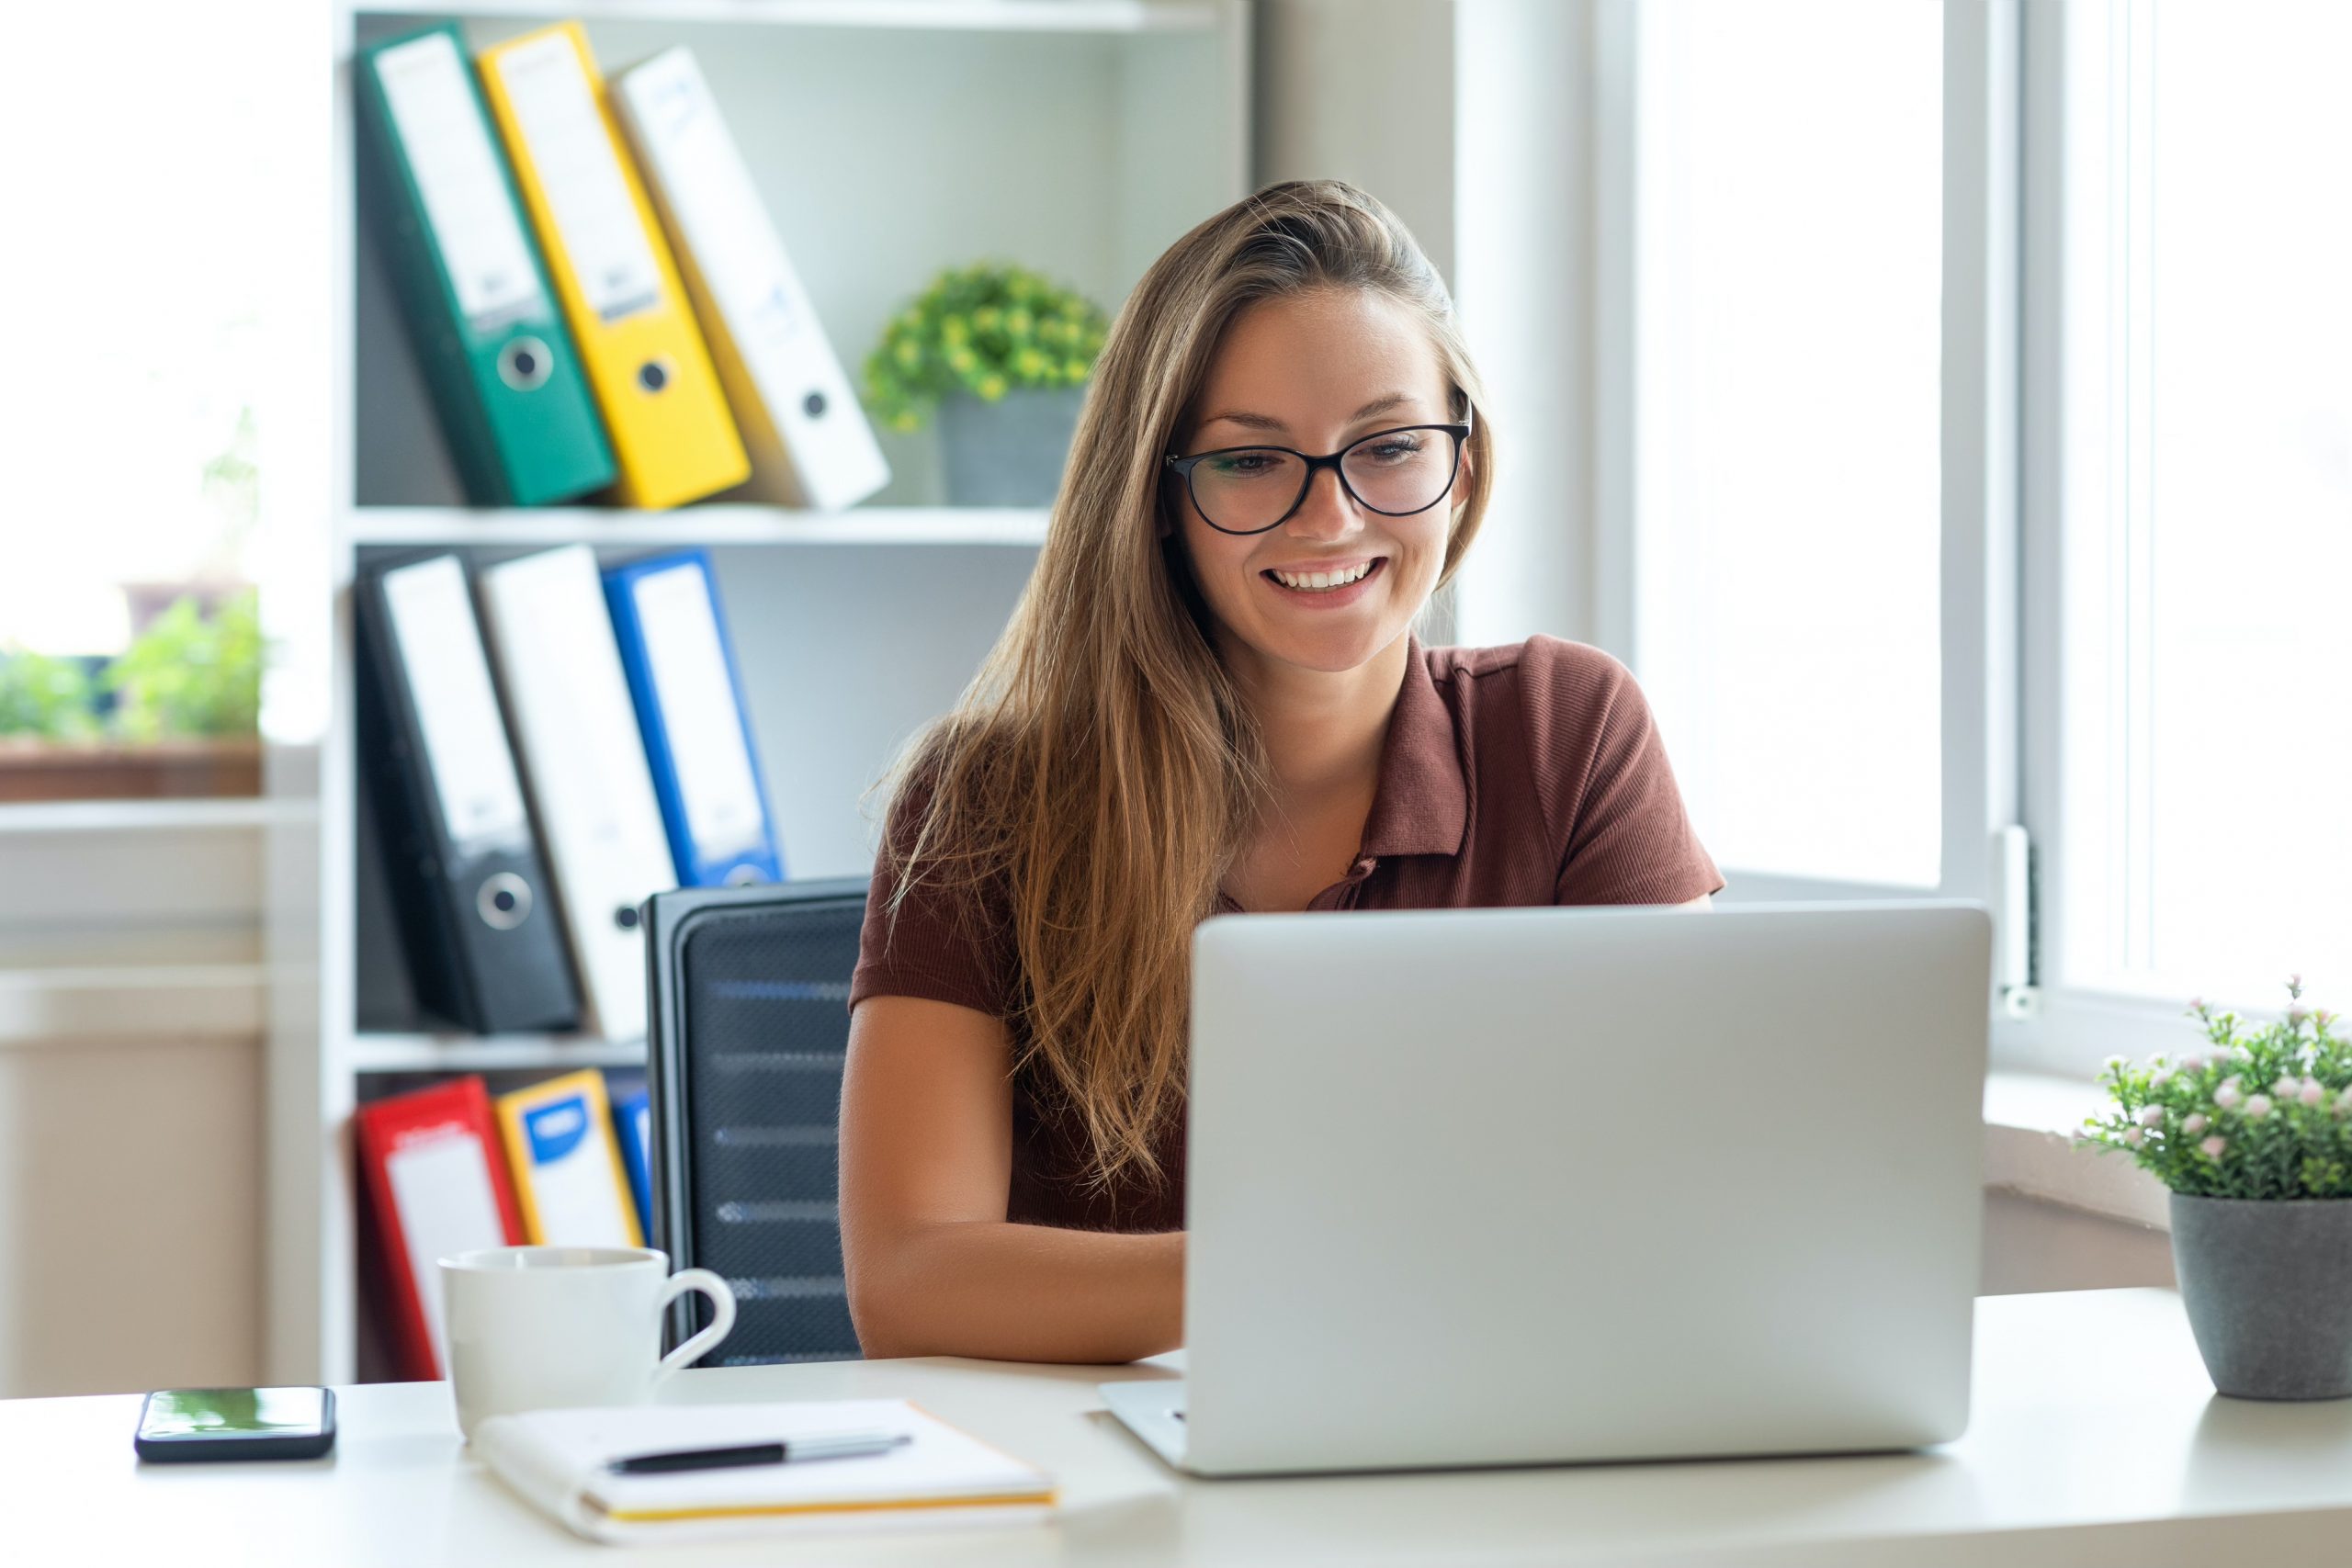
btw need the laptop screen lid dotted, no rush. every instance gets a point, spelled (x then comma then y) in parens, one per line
(1511, 1186)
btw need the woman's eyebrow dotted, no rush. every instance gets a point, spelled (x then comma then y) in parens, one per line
(1266, 422)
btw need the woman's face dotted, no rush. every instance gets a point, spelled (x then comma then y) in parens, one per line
(1317, 371)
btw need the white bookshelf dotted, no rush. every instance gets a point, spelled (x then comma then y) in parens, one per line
(446, 1052)
(891, 138)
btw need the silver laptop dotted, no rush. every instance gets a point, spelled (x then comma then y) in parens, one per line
(1532, 1186)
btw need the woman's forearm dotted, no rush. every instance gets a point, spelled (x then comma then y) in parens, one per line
(1018, 1292)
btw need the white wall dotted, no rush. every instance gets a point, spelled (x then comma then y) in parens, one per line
(2034, 1246)
(1362, 91)
(129, 1214)
(1475, 121)
(130, 1172)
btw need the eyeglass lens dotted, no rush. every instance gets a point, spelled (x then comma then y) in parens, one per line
(1251, 487)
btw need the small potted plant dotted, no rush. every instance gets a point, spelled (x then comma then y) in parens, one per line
(2253, 1133)
(46, 703)
(1004, 355)
(174, 715)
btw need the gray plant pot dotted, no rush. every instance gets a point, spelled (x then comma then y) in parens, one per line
(2268, 1289)
(1009, 452)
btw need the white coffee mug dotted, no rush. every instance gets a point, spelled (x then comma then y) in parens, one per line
(561, 1328)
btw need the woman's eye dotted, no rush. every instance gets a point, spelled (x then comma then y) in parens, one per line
(1392, 451)
(1246, 465)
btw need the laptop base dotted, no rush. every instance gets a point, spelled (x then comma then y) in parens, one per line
(1153, 1409)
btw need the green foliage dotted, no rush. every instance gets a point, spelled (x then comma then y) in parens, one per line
(2264, 1114)
(45, 697)
(983, 329)
(187, 675)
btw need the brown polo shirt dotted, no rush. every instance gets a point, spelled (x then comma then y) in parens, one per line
(1529, 774)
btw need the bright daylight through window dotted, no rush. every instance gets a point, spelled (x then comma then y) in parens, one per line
(1788, 177)
(2205, 843)
(129, 652)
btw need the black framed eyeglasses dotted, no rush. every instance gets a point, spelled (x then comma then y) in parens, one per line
(1248, 489)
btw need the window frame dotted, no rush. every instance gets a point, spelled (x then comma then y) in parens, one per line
(2072, 523)
(2003, 427)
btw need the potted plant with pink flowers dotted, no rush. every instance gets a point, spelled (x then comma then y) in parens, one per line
(2252, 1131)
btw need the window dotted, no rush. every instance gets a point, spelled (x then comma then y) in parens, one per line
(134, 481)
(2192, 499)
(1786, 532)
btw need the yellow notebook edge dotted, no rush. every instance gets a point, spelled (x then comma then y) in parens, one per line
(897, 1504)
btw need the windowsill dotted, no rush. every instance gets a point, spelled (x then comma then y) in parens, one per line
(2030, 1122)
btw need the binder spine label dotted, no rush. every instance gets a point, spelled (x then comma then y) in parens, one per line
(581, 171)
(474, 224)
(555, 1130)
(703, 176)
(465, 744)
(578, 1195)
(721, 795)
(442, 1186)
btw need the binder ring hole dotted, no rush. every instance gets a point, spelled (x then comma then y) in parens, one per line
(653, 375)
(814, 405)
(503, 901)
(526, 363)
(625, 918)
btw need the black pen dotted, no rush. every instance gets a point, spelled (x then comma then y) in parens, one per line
(796, 1450)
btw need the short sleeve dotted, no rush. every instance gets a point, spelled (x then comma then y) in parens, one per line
(946, 945)
(1625, 836)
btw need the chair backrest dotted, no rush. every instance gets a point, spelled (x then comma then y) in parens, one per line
(748, 1028)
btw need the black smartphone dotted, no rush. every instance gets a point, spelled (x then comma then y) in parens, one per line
(178, 1424)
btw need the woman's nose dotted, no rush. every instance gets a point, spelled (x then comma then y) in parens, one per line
(1327, 513)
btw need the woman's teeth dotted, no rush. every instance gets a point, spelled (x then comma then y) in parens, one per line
(1312, 581)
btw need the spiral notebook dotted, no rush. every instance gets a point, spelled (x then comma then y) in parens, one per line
(558, 1460)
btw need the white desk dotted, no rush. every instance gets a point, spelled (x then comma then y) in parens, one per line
(2096, 1439)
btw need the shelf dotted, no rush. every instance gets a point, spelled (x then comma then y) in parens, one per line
(455, 526)
(489, 1053)
(131, 816)
(952, 16)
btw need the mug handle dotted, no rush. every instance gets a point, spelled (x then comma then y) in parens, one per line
(722, 1301)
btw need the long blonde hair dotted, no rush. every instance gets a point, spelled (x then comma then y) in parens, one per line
(1101, 773)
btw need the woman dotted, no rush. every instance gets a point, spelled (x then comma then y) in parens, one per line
(1209, 699)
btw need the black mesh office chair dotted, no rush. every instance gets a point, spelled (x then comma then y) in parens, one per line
(748, 1027)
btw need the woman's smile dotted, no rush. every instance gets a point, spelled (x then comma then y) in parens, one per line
(1324, 585)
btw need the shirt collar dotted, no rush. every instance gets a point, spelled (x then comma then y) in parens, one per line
(1422, 803)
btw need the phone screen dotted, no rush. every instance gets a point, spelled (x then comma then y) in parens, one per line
(231, 1412)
